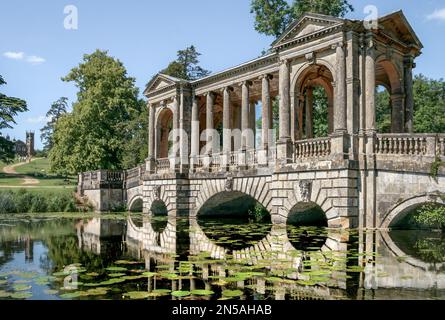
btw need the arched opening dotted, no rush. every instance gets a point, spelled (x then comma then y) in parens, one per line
(163, 128)
(419, 216)
(306, 227)
(159, 218)
(313, 114)
(136, 205)
(390, 100)
(234, 220)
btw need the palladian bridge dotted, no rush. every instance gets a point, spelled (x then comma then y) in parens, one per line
(205, 146)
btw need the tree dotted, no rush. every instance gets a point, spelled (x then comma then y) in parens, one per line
(272, 17)
(431, 215)
(10, 107)
(57, 109)
(96, 133)
(186, 65)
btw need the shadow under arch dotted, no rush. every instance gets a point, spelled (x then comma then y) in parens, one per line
(402, 209)
(136, 204)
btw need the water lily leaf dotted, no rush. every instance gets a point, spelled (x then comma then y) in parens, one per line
(21, 295)
(181, 294)
(202, 292)
(50, 291)
(134, 277)
(61, 274)
(117, 269)
(149, 274)
(137, 295)
(70, 295)
(21, 287)
(127, 262)
(116, 275)
(4, 294)
(28, 275)
(92, 274)
(232, 293)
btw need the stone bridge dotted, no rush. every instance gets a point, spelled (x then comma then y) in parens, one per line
(205, 145)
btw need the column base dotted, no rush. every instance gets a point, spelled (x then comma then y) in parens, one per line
(285, 151)
(150, 165)
(340, 144)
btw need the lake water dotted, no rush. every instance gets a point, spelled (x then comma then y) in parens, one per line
(122, 257)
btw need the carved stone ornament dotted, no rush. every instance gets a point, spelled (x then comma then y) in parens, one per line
(303, 190)
(229, 184)
(157, 192)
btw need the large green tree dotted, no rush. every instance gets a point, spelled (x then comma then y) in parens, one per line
(186, 66)
(96, 134)
(57, 109)
(10, 107)
(429, 106)
(272, 17)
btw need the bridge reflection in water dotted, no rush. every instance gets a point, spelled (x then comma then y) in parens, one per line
(348, 265)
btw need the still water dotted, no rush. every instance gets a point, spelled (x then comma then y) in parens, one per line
(123, 257)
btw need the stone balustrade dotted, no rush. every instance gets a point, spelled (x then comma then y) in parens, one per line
(312, 148)
(441, 145)
(163, 165)
(407, 144)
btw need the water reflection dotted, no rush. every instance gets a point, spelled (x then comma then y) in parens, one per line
(167, 258)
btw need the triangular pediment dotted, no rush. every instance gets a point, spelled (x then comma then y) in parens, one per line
(161, 81)
(309, 23)
(397, 26)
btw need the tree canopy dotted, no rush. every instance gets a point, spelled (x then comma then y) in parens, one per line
(10, 107)
(99, 130)
(272, 17)
(57, 109)
(186, 66)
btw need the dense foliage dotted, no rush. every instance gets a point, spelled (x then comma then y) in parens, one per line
(432, 216)
(186, 66)
(272, 17)
(24, 201)
(10, 107)
(57, 109)
(107, 127)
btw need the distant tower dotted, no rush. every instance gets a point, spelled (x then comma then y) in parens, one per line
(30, 143)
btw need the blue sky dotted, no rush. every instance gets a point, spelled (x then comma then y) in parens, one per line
(36, 50)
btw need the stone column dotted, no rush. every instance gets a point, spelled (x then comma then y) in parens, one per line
(266, 111)
(245, 106)
(300, 117)
(284, 145)
(185, 127)
(409, 99)
(252, 126)
(309, 112)
(194, 153)
(227, 128)
(340, 99)
(209, 121)
(370, 85)
(284, 88)
(151, 161)
(397, 113)
(174, 157)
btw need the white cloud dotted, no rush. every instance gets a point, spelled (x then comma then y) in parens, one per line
(438, 14)
(14, 55)
(35, 59)
(38, 119)
(22, 56)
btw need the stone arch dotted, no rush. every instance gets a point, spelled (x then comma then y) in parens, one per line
(388, 75)
(133, 203)
(401, 209)
(309, 76)
(164, 119)
(255, 187)
(159, 193)
(318, 196)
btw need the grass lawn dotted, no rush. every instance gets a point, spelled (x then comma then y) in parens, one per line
(38, 169)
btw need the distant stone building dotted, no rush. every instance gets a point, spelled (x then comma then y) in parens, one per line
(30, 144)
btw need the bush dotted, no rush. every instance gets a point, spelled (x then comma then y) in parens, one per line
(7, 204)
(432, 216)
(23, 201)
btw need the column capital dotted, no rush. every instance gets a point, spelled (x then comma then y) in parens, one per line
(247, 83)
(226, 88)
(337, 45)
(209, 94)
(266, 76)
(285, 61)
(408, 61)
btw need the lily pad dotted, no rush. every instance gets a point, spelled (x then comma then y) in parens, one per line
(181, 294)
(202, 292)
(232, 293)
(116, 275)
(21, 295)
(137, 295)
(50, 291)
(4, 294)
(127, 262)
(149, 274)
(70, 295)
(117, 269)
(21, 287)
